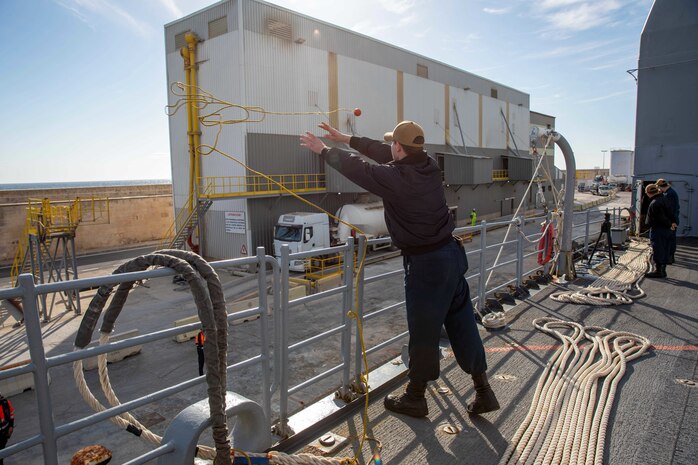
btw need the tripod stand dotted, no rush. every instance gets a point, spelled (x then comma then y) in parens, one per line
(605, 229)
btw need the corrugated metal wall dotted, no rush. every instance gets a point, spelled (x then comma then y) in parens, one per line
(424, 104)
(466, 169)
(494, 128)
(217, 242)
(520, 169)
(198, 23)
(373, 89)
(467, 106)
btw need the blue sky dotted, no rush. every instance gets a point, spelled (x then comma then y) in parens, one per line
(83, 81)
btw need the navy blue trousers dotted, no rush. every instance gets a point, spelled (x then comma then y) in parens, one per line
(436, 295)
(660, 239)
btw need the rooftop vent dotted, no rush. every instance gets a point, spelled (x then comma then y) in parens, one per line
(217, 27)
(279, 29)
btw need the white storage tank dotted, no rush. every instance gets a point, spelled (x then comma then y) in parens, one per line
(622, 162)
(368, 217)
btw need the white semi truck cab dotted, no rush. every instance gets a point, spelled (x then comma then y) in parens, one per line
(307, 231)
(302, 232)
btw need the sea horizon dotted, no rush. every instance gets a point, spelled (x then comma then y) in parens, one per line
(65, 185)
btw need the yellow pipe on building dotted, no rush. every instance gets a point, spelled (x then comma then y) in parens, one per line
(184, 52)
(192, 40)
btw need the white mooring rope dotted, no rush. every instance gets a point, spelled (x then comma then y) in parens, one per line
(566, 423)
(618, 286)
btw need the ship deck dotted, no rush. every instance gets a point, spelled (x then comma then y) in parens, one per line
(653, 420)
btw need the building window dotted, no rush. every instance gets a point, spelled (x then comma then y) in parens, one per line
(493, 93)
(217, 27)
(423, 71)
(179, 40)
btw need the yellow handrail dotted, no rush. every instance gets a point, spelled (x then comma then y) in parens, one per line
(243, 186)
(500, 175)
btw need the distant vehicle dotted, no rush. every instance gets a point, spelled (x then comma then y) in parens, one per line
(304, 231)
(594, 188)
(604, 191)
(581, 187)
(612, 185)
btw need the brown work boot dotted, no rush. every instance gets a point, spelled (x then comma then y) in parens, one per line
(485, 400)
(411, 402)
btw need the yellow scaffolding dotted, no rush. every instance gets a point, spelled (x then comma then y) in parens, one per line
(46, 220)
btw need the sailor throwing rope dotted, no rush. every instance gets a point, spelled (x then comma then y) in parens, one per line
(417, 217)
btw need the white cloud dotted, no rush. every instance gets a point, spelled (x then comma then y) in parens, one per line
(580, 15)
(171, 7)
(397, 6)
(496, 11)
(106, 10)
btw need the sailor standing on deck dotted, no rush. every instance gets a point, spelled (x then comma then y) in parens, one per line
(436, 292)
(660, 218)
(673, 199)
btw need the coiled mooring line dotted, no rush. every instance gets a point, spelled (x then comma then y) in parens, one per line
(569, 413)
(618, 286)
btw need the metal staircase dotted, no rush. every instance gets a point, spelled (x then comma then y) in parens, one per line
(188, 224)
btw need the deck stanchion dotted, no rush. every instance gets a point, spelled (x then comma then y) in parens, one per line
(359, 309)
(483, 271)
(38, 358)
(347, 305)
(586, 234)
(283, 314)
(521, 227)
(264, 328)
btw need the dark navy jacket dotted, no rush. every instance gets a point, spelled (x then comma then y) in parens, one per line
(660, 214)
(416, 213)
(673, 201)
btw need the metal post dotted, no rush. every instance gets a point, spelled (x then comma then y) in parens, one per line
(78, 310)
(483, 271)
(264, 327)
(38, 358)
(586, 234)
(359, 309)
(283, 349)
(347, 306)
(521, 227)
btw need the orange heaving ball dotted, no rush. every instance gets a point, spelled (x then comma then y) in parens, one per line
(357, 111)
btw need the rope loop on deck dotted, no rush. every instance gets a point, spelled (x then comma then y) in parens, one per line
(618, 286)
(570, 410)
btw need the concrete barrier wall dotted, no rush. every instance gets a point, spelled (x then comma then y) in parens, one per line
(138, 215)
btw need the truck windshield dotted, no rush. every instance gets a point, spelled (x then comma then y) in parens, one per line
(287, 233)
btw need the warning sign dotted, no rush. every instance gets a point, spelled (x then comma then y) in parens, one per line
(243, 250)
(235, 222)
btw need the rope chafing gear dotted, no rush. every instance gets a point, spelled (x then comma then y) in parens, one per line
(569, 413)
(214, 326)
(618, 286)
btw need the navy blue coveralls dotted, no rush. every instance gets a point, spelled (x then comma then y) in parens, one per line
(673, 200)
(659, 218)
(420, 225)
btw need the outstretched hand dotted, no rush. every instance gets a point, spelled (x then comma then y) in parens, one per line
(312, 142)
(334, 135)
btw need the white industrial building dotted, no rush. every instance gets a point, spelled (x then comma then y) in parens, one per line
(255, 54)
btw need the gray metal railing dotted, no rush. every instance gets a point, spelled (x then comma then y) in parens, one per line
(274, 355)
